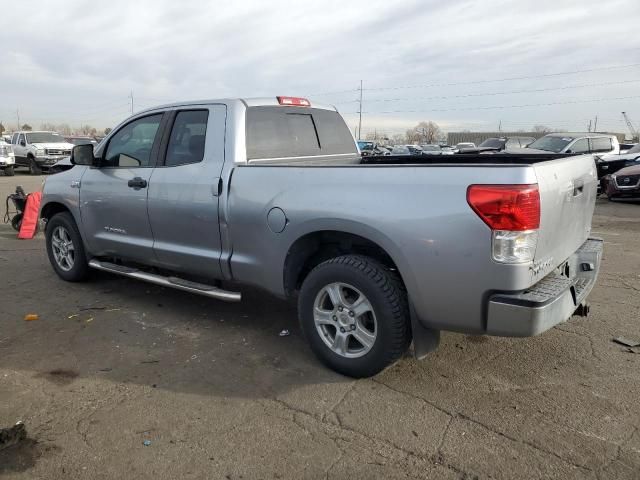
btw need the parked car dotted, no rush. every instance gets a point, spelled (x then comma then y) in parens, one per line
(7, 159)
(273, 193)
(446, 150)
(502, 143)
(431, 149)
(573, 143)
(463, 145)
(39, 150)
(611, 162)
(625, 183)
(406, 150)
(81, 140)
(368, 148)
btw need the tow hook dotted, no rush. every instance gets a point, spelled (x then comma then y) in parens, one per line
(582, 310)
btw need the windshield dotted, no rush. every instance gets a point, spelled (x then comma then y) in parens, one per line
(81, 141)
(492, 143)
(45, 137)
(634, 149)
(551, 144)
(430, 148)
(365, 145)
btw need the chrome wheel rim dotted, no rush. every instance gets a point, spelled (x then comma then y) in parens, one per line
(63, 249)
(345, 320)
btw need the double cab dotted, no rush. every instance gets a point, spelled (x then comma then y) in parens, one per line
(378, 251)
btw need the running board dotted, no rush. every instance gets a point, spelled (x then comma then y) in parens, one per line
(171, 282)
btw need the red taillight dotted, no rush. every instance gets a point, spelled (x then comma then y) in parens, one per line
(506, 207)
(294, 101)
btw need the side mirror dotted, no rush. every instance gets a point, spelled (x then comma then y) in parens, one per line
(568, 151)
(82, 155)
(23, 143)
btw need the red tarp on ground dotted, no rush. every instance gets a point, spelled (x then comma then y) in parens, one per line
(30, 218)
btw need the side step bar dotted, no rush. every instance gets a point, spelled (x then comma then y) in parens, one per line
(171, 282)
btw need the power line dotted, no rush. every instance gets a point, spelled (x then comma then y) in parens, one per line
(476, 82)
(535, 90)
(499, 106)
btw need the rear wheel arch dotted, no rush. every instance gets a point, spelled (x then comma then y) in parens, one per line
(312, 249)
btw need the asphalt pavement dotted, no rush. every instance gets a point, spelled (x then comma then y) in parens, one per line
(122, 379)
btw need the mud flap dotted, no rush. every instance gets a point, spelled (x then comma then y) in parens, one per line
(425, 340)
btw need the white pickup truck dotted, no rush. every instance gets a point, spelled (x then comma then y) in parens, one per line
(38, 151)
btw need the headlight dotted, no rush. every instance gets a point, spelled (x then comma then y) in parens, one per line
(40, 152)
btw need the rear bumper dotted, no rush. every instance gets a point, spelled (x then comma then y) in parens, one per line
(551, 301)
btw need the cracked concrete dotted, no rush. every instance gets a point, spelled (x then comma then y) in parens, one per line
(220, 395)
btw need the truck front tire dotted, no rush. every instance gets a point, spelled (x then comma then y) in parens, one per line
(34, 168)
(354, 313)
(8, 171)
(65, 248)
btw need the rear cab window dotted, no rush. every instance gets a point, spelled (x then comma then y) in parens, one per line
(601, 144)
(276, 132)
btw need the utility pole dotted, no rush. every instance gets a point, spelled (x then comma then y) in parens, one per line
(595, 125)
(131, 97)
(500, 126)
(360, 112)
(18, 115)
(589, 126)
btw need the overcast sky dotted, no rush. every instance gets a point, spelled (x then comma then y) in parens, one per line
(77, 61)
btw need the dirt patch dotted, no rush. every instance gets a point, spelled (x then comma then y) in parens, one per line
(60, 376)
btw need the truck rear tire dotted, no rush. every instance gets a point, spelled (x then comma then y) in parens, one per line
(8, 171)
(354, 313)
(65, 248)
(34, 168)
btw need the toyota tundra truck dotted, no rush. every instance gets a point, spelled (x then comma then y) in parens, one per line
(378, 252)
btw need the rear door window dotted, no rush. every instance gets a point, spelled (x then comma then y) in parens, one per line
(186, 144)
(601, 144)
(282, 132)
(580, 146)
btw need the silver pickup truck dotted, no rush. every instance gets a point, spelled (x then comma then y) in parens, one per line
(378, 251)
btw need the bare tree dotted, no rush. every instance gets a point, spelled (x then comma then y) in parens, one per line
(26, 127)
(87, 130)
(107, 131)
(424, 132)
(1, 128)
(375, 136)
(541, 129)
(398, 139)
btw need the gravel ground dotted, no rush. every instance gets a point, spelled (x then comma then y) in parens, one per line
(113, 363)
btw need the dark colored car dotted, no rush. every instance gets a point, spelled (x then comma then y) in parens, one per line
(625, 183)
(610, 164)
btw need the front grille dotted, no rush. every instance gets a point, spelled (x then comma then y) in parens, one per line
(56, 151)
(627, 180)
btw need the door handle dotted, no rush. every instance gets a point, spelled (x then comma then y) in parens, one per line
(578, 188)
(137, 182)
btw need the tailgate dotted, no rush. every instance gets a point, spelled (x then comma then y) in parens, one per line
(568, 189)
